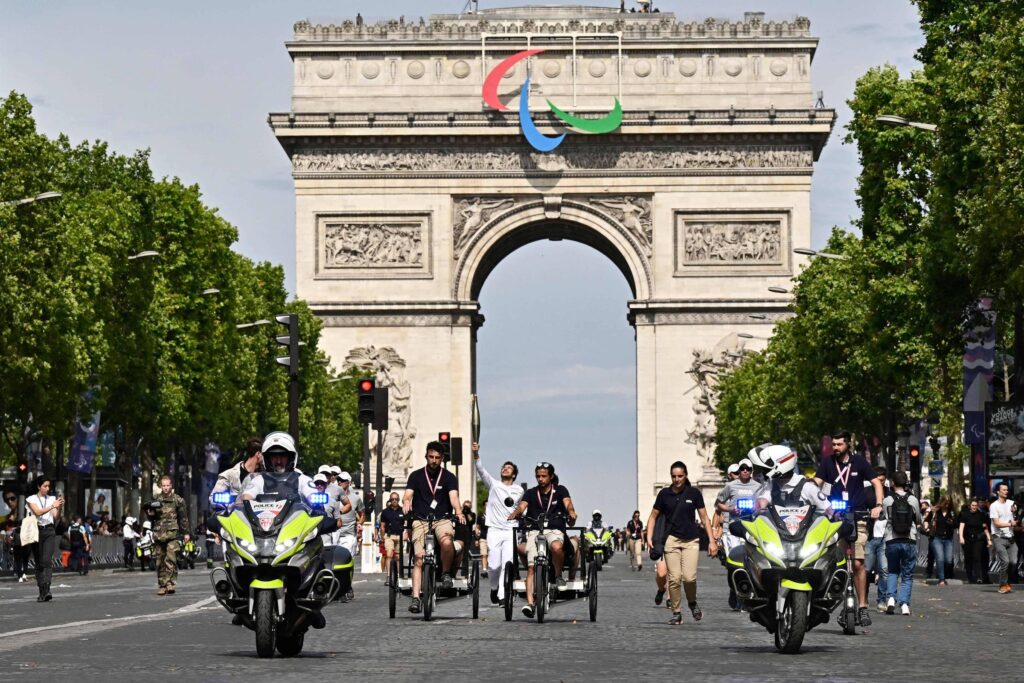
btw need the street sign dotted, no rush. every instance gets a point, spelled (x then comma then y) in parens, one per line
(936, 468)
(936, 482)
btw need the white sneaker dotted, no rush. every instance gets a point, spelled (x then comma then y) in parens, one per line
(22, 579)
(905, 610)
(890, 606)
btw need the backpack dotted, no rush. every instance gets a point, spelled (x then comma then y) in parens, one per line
(901, 515)
(76, 535)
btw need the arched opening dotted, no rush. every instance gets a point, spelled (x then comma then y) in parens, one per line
(555, 363)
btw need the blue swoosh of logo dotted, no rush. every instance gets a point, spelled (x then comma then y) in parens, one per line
(537, 140)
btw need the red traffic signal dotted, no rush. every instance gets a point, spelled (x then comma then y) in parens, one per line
(367, 403)
(444, 437)
(915, 452)
(366, 385)
(22, 467)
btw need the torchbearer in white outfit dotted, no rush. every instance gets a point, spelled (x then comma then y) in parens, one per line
(503, 496)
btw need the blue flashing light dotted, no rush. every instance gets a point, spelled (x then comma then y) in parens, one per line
(222, 498)
(839, 505)
(318, 499)
(745, 504)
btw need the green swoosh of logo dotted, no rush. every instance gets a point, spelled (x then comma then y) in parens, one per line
(603, 125)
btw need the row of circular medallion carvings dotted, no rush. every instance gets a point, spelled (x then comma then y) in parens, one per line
(597, 68)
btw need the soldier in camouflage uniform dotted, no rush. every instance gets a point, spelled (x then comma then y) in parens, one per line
(171, 521)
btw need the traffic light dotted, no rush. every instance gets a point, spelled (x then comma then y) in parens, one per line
(22, 476)
(915, 464)
(445, 439)
(367, 401)
(380, 409)
(456, 449)
(290, 340)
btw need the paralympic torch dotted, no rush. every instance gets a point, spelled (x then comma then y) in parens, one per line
(476, 420)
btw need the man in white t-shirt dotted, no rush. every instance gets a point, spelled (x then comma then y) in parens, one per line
(503, 496)
(1001, 513)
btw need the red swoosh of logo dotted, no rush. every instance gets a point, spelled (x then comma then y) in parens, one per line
(490, 91)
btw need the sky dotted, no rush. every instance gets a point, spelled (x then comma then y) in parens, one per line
(194, 80)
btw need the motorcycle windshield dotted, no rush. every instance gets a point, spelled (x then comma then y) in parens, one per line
(267, 514)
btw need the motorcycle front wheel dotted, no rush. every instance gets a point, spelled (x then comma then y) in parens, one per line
(792, 623)
(263, 615)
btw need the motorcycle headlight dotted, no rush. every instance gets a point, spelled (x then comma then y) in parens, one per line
(774, 552)
(808, 551)
(284, 545)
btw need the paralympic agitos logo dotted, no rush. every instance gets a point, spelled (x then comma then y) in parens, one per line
(537, 140)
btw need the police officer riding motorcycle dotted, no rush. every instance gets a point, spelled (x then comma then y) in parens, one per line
(597, 541)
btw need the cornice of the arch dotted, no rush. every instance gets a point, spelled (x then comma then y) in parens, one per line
(481, 222)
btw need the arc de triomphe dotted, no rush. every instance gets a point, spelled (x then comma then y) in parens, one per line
(410, 190)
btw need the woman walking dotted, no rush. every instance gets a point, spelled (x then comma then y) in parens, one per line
(943, 525)
(43, 505)
(681, 504)
(974, 539)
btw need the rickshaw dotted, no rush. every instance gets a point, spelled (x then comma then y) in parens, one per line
(431, 588)
(545, 586)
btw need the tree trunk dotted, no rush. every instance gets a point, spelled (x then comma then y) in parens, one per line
(952, 424)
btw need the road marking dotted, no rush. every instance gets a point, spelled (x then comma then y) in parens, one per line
(14, 640)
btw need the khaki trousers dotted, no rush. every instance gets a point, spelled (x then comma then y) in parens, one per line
(636, 552)
(681, 561)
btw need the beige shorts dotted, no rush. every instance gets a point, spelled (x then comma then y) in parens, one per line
(442, 528)
(551, 535)
(860, 547)
(391, 544)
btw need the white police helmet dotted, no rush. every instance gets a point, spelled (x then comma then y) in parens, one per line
(278, 442)
(775, 459)
(147, 525)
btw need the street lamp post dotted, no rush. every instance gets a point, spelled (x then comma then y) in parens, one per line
(41, 197)
(824, 254)
(149, 253)
(900, 122)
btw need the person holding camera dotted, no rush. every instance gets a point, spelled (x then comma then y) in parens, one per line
(43, 505)
(171, 522)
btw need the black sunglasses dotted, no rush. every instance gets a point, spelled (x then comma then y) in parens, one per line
(744, 467)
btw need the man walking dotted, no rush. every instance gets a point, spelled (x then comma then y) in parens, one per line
(502, 497)
(1001, 512)
(171, 521)
(78, 539)
(635, 547)
(903, 517)
(235, 478)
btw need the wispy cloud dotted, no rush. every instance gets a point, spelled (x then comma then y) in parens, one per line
(573, 383)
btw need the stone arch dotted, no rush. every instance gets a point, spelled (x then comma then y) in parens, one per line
(534, 221)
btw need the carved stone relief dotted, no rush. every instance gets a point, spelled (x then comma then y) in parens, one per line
(368, 245)
(732, 242)
(634, 213)
(373, 245)
(472, 214)
(707, 369)
(516, 159)
(388, 368)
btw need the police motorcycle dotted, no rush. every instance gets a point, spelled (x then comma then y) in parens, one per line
(278, 576)
(790, 574)
(597, 542)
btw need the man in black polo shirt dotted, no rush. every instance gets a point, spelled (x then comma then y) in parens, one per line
(844, 477)
(392, 525)
(432, 491)
(554, 500)
(681, 504)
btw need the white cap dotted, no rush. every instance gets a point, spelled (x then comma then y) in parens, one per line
(744, 462)
(596, 513)
(279, 440)
(335, 470)
(344, 476)
(324, 469)
(733, 468)
(147, 525)
(320, 478)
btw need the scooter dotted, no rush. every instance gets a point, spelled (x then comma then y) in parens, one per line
(278, 576)
(789, 575)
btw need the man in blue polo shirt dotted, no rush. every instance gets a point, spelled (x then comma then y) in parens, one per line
(843, 477)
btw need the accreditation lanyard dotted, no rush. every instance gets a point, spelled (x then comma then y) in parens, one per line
(433, 487)
(844, 477)
(551, 497)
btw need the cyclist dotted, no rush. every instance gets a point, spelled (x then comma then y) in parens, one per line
(392, 523)
(551, 499)
(846, 475)
(432, 491)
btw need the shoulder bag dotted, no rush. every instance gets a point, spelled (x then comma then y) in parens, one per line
(29, 527)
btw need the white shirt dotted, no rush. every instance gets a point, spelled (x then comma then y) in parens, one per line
(128, 532)
(348, 519)
(497, 512)
(1003, 511)
(42, 503)
(809, 493)
(254, 487)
